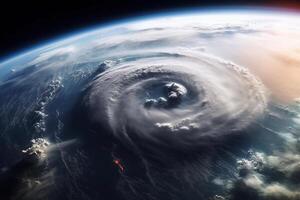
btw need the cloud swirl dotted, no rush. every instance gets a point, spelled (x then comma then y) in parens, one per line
(174, 98)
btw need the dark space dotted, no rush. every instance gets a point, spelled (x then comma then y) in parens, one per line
(28, 23)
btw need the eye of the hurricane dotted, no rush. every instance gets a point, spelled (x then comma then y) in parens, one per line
(165, 95)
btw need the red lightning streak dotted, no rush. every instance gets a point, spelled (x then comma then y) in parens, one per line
(119, 164)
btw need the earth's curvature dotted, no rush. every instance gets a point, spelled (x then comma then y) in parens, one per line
(183, 106)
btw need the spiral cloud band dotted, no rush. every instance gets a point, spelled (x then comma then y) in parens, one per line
(175, 98)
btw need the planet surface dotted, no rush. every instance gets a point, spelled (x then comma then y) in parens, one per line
(198, 105)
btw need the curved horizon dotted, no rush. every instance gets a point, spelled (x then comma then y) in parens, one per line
(82, 31)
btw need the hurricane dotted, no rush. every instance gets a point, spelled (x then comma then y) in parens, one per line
(179, 99)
